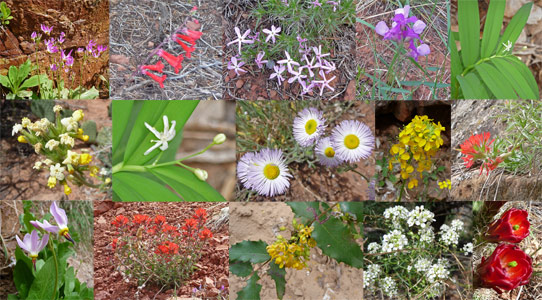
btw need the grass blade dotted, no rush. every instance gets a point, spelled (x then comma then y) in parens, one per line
(512, 74)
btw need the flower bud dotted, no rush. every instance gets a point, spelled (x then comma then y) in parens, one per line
(67, 189)
(57, 108)
(201, 174)
(78, 115)
(108, 180)
(219, 139)
(22, 139)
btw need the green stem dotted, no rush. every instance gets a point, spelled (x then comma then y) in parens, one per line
(82, 179)
(481, 61)
(401, 193)
(186, 167)
(129, 168)
(364, 177)
(390, 70)
(56, 268)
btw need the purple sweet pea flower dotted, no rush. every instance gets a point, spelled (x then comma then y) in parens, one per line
(61, 219)
(32, 244)
(236, 64)
(46, 29)
(421, 50)
(259, 61)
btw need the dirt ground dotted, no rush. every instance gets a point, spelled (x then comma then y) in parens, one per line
(370, 44)
(474, 117)
(255, 84)
(391, 117)
(213, 269)
(18, 178)
(141, 25)
(326, 184)
(323, 279)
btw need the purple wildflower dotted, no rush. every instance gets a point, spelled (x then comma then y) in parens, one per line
(90, 46)
(51, 47)
(324, 82)
(35, 36)
(54, 67)
(61, 39)
(335, 4)
(67, 58)
(236, 64)
(259, 61)
(278, 73)
(79, 50)
(241, 38)
(46, 29)
(271, 34)
(421, 50)
(310, 65)
(297, 75)
(288, 61)
(318, 53)
(316, 3)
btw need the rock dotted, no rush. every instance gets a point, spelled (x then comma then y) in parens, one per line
(102, 295)
(119, 59)
(223, 281)
(403, 110)
(273, 95)
(208, 282)
(102, 207)
(211, 293)
(150, 44)
(239, 84)
(101, 220)
(28, 48)
(350, 93)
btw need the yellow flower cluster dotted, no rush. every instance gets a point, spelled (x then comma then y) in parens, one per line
(293, 253)
(445, 184)
(418, 142)
(55, 140)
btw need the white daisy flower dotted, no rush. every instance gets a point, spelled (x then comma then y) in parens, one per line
(308, 126)
(243, 167)
(352, 141)
(268, 174)
(326, 154)
(162, 137)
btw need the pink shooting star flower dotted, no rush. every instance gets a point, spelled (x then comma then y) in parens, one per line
(51, 47)
(35, 36)
(158, 67)
(47, 30)
(288, 61)
(325, 82)
(54, 67)
(174, 61)
(318, 53)
(80, 50)
(297, 75)
(32, 244)
(90, 46)
(271, 34)
(61, 220)
(68, 59)
(236, 64)
(241, 38)
(158, 79)
(278, 73)
(61, 39)
(259, 61)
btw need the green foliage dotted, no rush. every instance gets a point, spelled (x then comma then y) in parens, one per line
(487, 69)
(139, 177)
(252, 290)
(18, 82)
(249, 251)
(89, 127)
(279, 276)
(5, 13)
(48, 90)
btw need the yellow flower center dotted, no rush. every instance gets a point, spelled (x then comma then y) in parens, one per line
(351, 141)
(329, 152)
(62, 232)
(271, 171)
(310, 126)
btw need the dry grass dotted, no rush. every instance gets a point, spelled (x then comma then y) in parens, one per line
(141, 25)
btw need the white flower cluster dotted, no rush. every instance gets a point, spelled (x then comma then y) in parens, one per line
(373, 247)
(389, 287)
(421, 217)
(371, 275)
(427, 235)
(437, 272)
(396, 214)
(422, 265)
(449, 235)
(468, 248)
(393, 241)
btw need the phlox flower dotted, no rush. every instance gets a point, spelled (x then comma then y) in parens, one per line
(288, 61)
(162, 137)
(318, 53)
(32, 244)
(352, 141)
(61, 220)
(326, 154)
(271, 34)
(334, 3)
(268, 173)
(259, 59)
(235, 64)
(241, 38)
(310, 65)
(316, 3)
(306, 88)
(324, 82)
(278, 73)
(298, 76)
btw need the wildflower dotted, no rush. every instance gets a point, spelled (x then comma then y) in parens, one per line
(468, 248)
(393, 241)
(259, 61)
(389, 287)
(141, 219)
(278, 73)
(422, 265)
(306, 88)
(61, 220)
(318, 53)
(476, 147)
(46, 29)
(242, 169)
(57, 109)
(61, 39)
(101, 48)
(90, 46)
(37, 165)
(271, 34)
(421, 50)
(72, 158)
(512, 227)
(316, 3)
(297, 76)
(310, 65)
(412, 183)
(85, 159)
(25, 122)
(437, 272)
(268, 173)
(120, 221)
(66, 139)
(194, 35)
(67, 189)
(159, 79)
(325, 82)
(70, 124)
(57, 171)
(334, 3)
(200, 214)
(51, 182)
(187, 49)
(327, 66)
(288, 61)
(35, 36)
(174, 61)
(241, 39)
(16, 129)
(205, 234)
(326, 154)
(162, 137)
(371, 275)
(51, 144)
(308, 126)
(507, 46)
(396, 214)
(51, 48)
(352, 141)
(236, 64)
(201, 174)
(420, 216)
(32, 244)
(445, 184)
(449, 236)
(158, 67)
(373, 247)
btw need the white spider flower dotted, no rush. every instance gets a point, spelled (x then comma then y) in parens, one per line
(52, 144)
(71, 158)
(70, 124)
(468, 248)
(507, 46)
(57, 171)
(162, 137)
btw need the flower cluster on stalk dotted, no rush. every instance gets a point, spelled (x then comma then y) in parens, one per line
(55, 141)
(478, 147)
(293, 252)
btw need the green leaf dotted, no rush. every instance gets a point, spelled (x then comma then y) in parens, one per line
(22, 273)
(306, 211)
(279, 276)
(13, 74)
(468, 20)
(354, 208)
(495, 82)
(93, 93)
(472, 87)
(133, 187)
(186, 184)
(124, 114)
(240, 268)
(24, 70)
(250, 251)
(13, 297)
(516, 25)
(334, 239)
(69, 281)
(43, 286)
(4, 80)
(525, 73)
(252, 290)
(492, 28)
(30, 82)
(515, 78)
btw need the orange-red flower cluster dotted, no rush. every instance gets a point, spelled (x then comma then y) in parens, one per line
(120, 221)
(167, 247)
(478, 147)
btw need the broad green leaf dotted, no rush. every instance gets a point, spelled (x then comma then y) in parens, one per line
(250, 251)
(186, 184)
(4, 80)
(22, 273)
(30, 82)
(468, 20)
(516, 25)
(306, 211)
(43, 286)
(124, 114)
(495, 82)
(438, 85)
(24, 70)
(13, 297)
(279, 276)
(492, 28)
(240, 268)
(513, 75)
(472, 87)
(133, 187)
(334, 239)
(13, 74)
(93, 93)
(69, 281)
(252, 290)
(525, 73)
(354, 208)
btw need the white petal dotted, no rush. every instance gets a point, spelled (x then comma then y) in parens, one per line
(153, 147)
(156, 133)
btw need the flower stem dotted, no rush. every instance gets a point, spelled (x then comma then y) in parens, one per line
(401, 193)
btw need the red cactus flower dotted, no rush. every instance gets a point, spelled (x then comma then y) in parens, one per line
(205, 234)
(156, 78)
(159, 219)
(119, 221)
(140, 219)
(507, 268)
(174, 61)
(476, 147)
(187, 49)
(158, 67)
(200, 213)
(512, 227)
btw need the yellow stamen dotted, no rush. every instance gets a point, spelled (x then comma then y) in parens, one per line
(351, 141)
(271, 171)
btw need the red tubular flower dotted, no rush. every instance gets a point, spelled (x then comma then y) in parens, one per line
(140, 219)
(173, 248)
(512, 227)
(476, 147)
(193, 34)
(200, 213)
(119, 221)
(174, 61)
(159, 219)
(187, 39)
(156, 78)
(158, 67)
(205, 234)
(507, 268)
(187, 49)
(168, 228)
